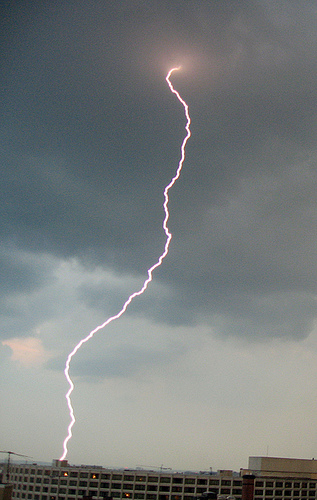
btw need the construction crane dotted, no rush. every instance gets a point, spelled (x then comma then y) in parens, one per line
(160, 467)
(9, 453)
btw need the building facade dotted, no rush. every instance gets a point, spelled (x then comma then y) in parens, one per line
(63, 482)
(267, 478)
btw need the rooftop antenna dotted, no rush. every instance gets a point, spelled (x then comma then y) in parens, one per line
(9, 453)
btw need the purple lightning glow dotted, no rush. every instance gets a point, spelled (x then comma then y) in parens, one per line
(149, 272)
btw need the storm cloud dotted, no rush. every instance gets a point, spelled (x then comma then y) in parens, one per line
(90, 136)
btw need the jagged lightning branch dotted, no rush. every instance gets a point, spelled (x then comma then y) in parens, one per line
(149, 272)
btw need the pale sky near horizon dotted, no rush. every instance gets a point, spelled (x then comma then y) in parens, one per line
(217, 361)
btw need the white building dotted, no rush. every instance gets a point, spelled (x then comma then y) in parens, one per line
(64, 482)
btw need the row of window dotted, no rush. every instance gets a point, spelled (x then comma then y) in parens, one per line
(285, 484)
(117, 477)
(114, 494)
(124, 486)
(285, 493)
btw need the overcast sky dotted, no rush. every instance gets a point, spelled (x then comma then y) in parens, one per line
(218, 359)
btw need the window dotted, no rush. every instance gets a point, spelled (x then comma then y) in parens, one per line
(72, 482)
(214, 482)
(152, 479)
(140, 478)
(117, 477)
(204, 481)
(83, 474)
(165, 480)
(82, 483)
(279, 484)
(94, 476)
(164, 488)
(201, 490)
(128, 478)
(152, 487)
(177, 488)
(178, 480)
(105, 476)
(139, 487)
(224, 482)
(269, 484)
(127, 486)
(189, 489)
(190, 480)
(73, 474)
(104, 485)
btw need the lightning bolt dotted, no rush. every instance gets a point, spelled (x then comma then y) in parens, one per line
(149, 272)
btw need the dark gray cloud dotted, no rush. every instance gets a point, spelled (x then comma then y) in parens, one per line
(90, 136)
